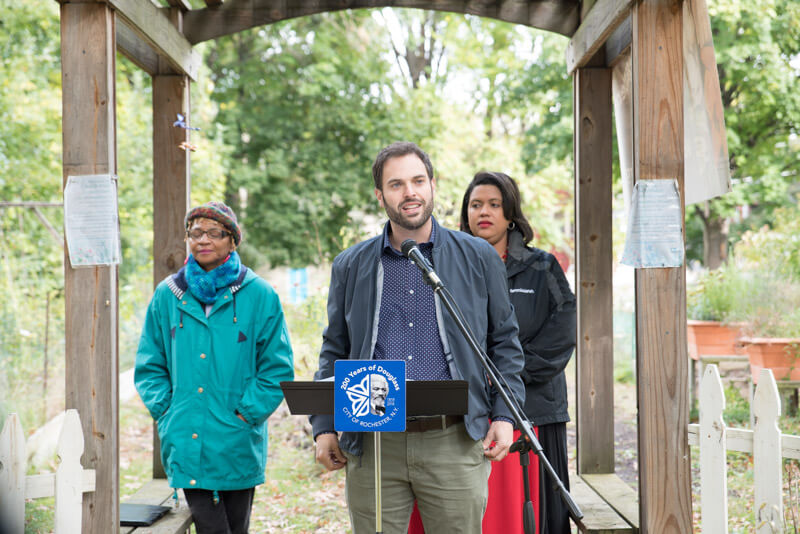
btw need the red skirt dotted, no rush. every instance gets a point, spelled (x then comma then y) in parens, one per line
(506, 496)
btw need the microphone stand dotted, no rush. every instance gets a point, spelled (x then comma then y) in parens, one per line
(431, 278)
(528, 518)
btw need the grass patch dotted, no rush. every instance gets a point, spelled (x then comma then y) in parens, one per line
(39, 516)
(298, 495)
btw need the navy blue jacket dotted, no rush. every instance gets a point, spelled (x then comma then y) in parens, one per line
(475, 275)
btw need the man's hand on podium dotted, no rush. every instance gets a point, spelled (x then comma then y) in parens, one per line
(328, 452)
(496, 442)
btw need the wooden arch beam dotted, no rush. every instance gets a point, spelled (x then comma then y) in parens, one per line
(559, 16)
(145, 34)
(604, 17)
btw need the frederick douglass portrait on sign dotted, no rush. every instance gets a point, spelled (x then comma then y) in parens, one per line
(378, 389)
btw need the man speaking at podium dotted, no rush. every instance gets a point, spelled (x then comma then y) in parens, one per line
(380, 308)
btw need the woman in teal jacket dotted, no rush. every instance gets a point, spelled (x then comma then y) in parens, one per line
(212, 354)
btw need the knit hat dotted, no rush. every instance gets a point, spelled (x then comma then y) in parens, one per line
(216, 211)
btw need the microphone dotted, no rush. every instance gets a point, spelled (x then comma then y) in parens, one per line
(412, 252)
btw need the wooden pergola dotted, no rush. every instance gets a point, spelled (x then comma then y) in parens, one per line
(648, 33)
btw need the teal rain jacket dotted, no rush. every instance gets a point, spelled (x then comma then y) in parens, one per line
(195, 372)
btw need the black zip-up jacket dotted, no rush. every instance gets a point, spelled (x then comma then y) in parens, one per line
(545, 309)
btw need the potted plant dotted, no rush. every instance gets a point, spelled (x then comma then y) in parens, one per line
(770, 262)
(772, 337)
(710, 305)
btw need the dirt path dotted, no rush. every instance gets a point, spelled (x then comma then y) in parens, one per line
(298, 496)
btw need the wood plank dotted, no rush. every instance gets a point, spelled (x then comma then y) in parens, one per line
(767, 461)
(586, 6)
(713, 457)
(133, 47)
(12, 475)
(618, 43)
(88, 55)
(69, 475)
(171, 189)
(153, 26)
(621, 85)
(238, 15)
(619, 495)
(158, 492)
(44, 485)
(593, 271)
(741, 440)
(40, 486)
(173, 522)
(603, 18)
(598, 516)
(705, 141)
(662, 373)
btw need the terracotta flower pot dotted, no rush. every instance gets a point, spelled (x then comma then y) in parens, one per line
(712, 338)
(780, 354)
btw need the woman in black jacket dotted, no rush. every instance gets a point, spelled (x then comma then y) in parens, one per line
(545, 310)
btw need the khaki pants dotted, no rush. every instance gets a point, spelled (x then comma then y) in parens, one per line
(444, 470)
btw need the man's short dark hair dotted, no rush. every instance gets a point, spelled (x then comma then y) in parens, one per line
(397, 149)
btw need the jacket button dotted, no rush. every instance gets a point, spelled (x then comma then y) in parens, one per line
(200, 389)
(184, 303)
(194, 436)
(226, 297)
(203, 356)
(192, 482)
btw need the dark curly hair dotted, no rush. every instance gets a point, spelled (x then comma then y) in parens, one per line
(512, 209)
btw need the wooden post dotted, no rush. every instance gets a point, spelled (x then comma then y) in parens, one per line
(661, 351)
(171, 182)
(88, 51)
(593, 271)
(171, 186)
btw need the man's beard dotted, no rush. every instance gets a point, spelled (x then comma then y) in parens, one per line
(397, 217)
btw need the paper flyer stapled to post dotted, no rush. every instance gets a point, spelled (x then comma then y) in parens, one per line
(655, 226)
(91, 220)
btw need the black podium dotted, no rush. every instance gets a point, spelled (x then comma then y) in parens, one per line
(423, 398)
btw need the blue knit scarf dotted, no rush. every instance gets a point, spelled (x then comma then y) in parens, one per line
(208, 286)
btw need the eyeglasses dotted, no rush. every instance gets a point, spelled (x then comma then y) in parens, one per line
(213, 233)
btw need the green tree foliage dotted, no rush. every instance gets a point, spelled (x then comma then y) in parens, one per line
(30, 169)
(521, 94)
(31, 260)
(755, 44)
(307, 104)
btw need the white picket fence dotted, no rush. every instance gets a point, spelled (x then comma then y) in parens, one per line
(765, 442)
(67, 484)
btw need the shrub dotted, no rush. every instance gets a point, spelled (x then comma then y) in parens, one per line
(760, 284)
(716, 294)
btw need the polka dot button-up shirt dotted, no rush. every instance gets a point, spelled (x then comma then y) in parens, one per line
(407, 328)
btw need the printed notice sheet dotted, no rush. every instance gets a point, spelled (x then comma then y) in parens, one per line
(655, 232)
(91, 220)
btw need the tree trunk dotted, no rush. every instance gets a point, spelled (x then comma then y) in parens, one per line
(715, 241)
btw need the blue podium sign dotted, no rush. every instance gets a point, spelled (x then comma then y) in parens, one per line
(369, 395)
